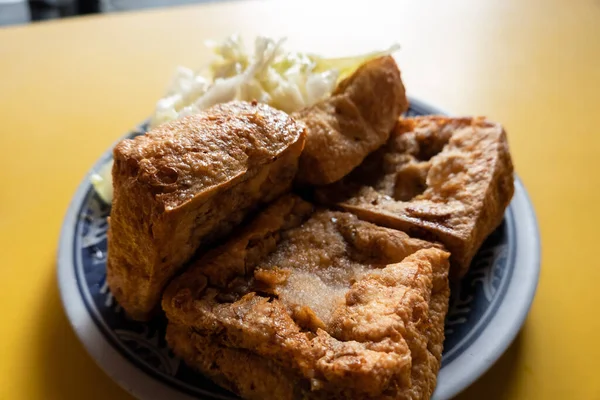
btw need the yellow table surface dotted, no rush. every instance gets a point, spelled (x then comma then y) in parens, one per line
(69, 88)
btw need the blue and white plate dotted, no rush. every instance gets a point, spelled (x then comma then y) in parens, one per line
(486, 312)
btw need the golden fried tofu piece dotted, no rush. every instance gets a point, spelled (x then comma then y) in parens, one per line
(187, 183)
(354, 121)
(313, 305)
(438, 178)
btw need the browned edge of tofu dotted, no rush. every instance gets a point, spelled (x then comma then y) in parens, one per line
(188, 183)
(353, 122)
(451, 185)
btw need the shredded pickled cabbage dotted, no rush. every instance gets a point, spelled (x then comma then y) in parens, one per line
(283, 79)
(102, 182)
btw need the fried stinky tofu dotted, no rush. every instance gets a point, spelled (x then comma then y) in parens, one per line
(188, 183)
(313, 304)
(354, 121)
(441, 179)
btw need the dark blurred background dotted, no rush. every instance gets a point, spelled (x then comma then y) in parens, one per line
(24, 11)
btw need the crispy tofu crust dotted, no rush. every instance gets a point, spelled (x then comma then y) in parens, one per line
(304, 304)
(354, 121)
(438, 178)
(187, 183)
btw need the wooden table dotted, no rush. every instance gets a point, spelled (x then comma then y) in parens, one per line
(69, 88)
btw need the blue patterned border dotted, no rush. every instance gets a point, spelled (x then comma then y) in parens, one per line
(475, 300)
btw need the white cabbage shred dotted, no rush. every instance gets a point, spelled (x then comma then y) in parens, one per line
(102, 182)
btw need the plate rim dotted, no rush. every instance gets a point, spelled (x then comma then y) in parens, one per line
(510, 316)
(141, 385)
